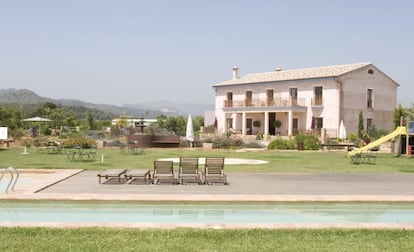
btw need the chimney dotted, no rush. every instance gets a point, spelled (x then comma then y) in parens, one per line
(235, 73)
(278, 69)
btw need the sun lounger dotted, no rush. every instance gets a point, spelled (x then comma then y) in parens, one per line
(111, 173)
(214, 170)
(188, 171)
(163, 171)
(138, 174)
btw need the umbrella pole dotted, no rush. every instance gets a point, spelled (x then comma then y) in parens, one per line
(25, 150)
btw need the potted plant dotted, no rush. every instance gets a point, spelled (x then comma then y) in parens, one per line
(277, 124)
(257, 124)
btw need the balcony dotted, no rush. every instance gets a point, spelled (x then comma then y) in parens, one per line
(277, 102)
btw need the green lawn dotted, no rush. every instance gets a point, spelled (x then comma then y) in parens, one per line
(104, 239)
(279, 161)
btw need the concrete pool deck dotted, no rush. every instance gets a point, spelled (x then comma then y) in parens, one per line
(73, 184)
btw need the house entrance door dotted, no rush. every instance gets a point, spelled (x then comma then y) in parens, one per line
(272, 118)
(295, 126)
(249, 126)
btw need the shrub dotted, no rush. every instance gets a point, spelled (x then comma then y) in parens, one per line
(281, 144)
(375, 133)
(253, 145)
(26, 141)
(39, 141)
(186, 143)
(259, 136)
(79, 141)
(46, 131)
(209, 129)
(353, 138)
(224, 141)
(310, 142)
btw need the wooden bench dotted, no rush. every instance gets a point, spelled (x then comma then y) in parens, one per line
(6, 142)
(346, 146)
(166, 141)
(148, 141)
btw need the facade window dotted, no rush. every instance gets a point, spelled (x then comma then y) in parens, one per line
(318, 122)
(317, 94)
(248, 98)
(370, 98)
(270, 97)
(293, 92)
(229, 101)
(369, 124)
(370, 71)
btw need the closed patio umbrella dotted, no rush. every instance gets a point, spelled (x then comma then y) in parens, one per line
(342, 131)
(189, 133)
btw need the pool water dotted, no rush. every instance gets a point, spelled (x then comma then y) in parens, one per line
(205, 213)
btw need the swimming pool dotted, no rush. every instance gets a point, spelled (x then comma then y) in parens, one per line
(195, 214)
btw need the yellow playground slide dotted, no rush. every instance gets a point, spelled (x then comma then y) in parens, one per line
(402, 130)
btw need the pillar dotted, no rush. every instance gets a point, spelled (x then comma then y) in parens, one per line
(244, 123)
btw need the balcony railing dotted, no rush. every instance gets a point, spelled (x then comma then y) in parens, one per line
(278, 102)
(317, 101)
(248, 103)
(228, 103)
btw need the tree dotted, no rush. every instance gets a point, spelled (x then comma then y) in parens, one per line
(361, 125)
(198, 121)
(257, 124)
(122, 121)
(400, 112)
(161, 121)
(47, 109)
(411, 112)
(91, 121)
(10, 118)
(175, 124)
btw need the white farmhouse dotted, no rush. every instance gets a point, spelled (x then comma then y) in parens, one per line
(304, 99)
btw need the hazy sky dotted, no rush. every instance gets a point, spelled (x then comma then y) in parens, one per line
(126, 51)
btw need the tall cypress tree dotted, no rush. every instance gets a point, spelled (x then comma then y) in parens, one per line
(361, 125)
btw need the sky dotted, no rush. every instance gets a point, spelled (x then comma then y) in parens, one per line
(131, 51)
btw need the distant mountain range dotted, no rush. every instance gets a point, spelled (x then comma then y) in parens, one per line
(148, 109)
(173, 107)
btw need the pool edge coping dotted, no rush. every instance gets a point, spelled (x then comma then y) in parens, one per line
(405, 226)
(209, 197)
